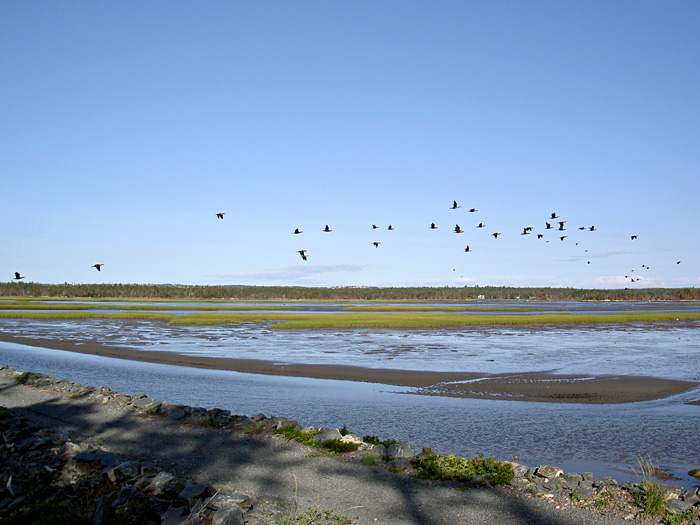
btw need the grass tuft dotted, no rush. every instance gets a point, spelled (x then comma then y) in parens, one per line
(455, 468)
(652, 498)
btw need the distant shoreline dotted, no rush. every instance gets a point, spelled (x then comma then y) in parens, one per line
(533, 386)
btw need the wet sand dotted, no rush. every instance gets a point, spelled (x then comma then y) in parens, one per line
(534, 386)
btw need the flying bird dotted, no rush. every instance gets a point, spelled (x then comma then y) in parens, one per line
(432, 226)
(592, 228)
(297, 231)
(554, 215)
(472, 210)
(467, 249)
(374, 226)
(458, 229)
(303, 254)
(327, 229)
(390, 227)
(98, 266)
(376, 244)
(220, 215)
(548, 226)
(496, 234)
(18, 276)
(539, 235)
(633, 237)
(561, 226)
(563, 237)
(526, 231)
(455, 206)
(480, 225)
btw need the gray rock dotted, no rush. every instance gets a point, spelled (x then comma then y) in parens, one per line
(326, 435)
(91, 460)
(13, 486)
(572, 479)
(676, 506)
(588, 476)
(585, 492)
(220, 500)
(549, 472)
(380, 450)
(177, 414)
(228, 515)
(692, 495)
(401, 450)
(128, 494)
(196, 491)
(175, 516)
(124, 471)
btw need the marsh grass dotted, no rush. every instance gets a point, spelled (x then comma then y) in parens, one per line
(361, 319)
(431, 308)
(652, 498)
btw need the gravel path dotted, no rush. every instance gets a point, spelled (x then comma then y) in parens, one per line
(281, 475)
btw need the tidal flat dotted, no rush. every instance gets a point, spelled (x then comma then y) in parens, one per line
(618, 387)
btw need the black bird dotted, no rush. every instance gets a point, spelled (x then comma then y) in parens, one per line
(548, 226)
(472, 210)
(563, 237)
(678, 262)
(581, 228)
(374, 226)
(327, 229)
(467, 249)
(539, 235)
(297, 231)
(303, 254)
(496, 234)
(592, 228)
(526, 231)
(454, 206)
(18, 276)
(98, 267)
(376, 244)
(458, 229)
(480, 225)
(432, 226)
(390, 227)
(633, 237)
(561, 226)
(554, 215)
(220, 215)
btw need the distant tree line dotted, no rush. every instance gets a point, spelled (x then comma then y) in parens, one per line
(252, 293)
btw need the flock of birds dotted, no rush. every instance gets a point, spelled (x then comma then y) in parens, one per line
(550, 224)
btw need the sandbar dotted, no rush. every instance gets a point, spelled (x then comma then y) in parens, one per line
(532, 386)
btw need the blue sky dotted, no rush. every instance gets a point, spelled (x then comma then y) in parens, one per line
(128, 125)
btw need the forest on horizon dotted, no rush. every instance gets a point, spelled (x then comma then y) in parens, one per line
(342, 293)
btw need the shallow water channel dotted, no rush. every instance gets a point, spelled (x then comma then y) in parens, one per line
(604, 439)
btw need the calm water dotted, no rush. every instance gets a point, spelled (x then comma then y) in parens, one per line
(604, 439)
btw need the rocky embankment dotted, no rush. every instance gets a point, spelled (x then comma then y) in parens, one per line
(45, 473)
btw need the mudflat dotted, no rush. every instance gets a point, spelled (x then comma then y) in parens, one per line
(534, 386)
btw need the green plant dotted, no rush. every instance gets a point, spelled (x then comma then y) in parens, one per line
(371, 459)
(604, 499)
(651, 498)
(210, 423)
(455, 468)
(337, 446)
(23, 377)
(682, 517)
(575, 496)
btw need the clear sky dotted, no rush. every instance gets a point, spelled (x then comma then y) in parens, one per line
(126, 126)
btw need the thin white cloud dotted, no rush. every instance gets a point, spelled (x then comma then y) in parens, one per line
(288, 273)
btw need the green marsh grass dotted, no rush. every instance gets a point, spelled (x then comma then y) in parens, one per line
(334, 320)
(430, 308)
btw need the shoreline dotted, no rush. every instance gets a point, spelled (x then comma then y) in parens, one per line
(529, 386)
